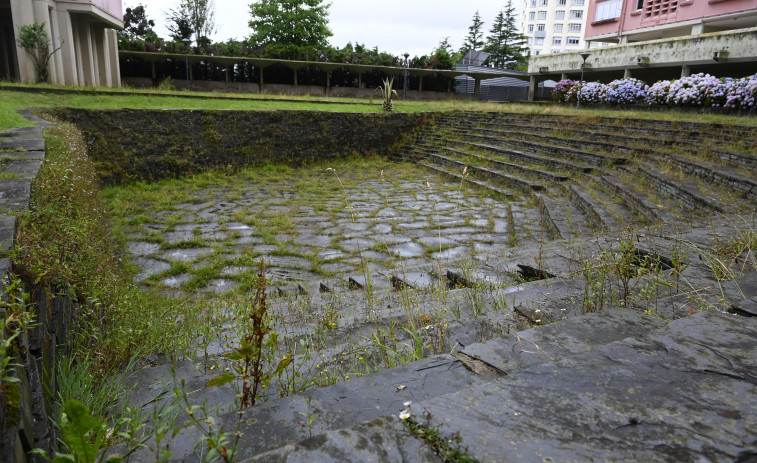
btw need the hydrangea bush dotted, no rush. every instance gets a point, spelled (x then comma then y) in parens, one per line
(696, 90)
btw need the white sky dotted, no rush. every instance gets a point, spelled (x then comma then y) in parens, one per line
(395, 26)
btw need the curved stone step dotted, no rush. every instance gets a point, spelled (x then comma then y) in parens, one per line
(545, 174)
(494, 175)
(528, 157)
(478, 183)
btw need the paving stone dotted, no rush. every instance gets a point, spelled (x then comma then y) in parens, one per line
(186, 254)
(176, 281)
(338, 267)
(7, 231)
(415, 280)
(265, 248)
(289, 274)
(247, 240)
(14, 194)
(289, 261)
(410, 249)
(220, 286)
(356, 244)
(177, 236)
(142, 248)
(149, 267)
(321, 241)
(28, 144)
(231, 270)
(22, 169)
(451, 253)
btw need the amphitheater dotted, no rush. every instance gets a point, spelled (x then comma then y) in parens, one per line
(540, 287)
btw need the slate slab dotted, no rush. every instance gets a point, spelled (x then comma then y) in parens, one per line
(14, 194)
(7, 231)
(22, 169)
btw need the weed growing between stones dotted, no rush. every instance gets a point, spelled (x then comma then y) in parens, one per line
(15, 321)
(449, 450)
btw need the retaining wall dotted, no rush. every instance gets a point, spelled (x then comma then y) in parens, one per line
(128, 145)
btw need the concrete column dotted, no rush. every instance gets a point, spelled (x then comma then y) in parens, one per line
(56, 63)
(685, 70)
(697, 29)
(420, 83)
(95, 44)
(532, 88)
(623, 39)
(626, 73)
(115, 65)
(85, 54)
(477, 88)
(360, 80)
(67, 53)
(226, 72)
(154, 73)
(328, 82)
(295, 76)
(22, 13)
(260, 84)
(563, 76)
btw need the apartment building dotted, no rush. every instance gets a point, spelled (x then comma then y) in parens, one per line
(554, 26)
(83, 32)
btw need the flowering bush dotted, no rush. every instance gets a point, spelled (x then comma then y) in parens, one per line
(657, 93)
(743, 93)
(626, 91)
(562, 89)
(696, 90)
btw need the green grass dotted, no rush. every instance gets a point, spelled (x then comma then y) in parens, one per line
(103, 98)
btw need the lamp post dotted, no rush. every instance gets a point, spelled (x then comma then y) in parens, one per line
(584, 55)
(404, 88)
(186, 41)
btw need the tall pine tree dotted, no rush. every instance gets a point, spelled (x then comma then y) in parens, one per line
(475, 38)
(506, 44)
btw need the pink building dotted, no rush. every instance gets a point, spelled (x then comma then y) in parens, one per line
(83, 32)
(624, 21)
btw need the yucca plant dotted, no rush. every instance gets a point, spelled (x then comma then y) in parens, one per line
(386, 92)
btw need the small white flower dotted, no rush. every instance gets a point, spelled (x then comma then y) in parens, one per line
(405, 414)
(408, 403)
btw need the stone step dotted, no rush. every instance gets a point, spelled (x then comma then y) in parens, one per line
(525, 157)
(580, 149)
(494, 175)
(721, 175)
(635, 201)
(564, 216)
(486, 185)
(684, 195)
(599, 217)
(510, 167)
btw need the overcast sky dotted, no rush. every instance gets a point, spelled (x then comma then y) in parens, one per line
(395, 26)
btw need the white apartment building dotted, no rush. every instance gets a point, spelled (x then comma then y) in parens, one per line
(554, 26)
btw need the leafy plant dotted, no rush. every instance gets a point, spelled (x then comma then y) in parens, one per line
(34, 40)
(386, 94)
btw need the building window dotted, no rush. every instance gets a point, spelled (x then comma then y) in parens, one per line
(557, 41)
(555, 51)
(544, 2)
(530, 41)
(533, 3)
(537, 52)
(541, 27)
(573, 40)
(542, 15)
(578, 14)
(539, 41)
(659, 7)
(562, 2)
(574, 27)
(608, 10)
(560, 14)
(558, 28)
(578, 2)
(639, 4)
(530, 28)
(531, 15)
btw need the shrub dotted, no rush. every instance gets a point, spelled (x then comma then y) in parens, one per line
(657, 93)
(698, 90)
(742, 93)
(562, 90)
(625, 91)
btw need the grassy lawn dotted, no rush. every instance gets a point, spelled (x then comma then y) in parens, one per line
(104, 98)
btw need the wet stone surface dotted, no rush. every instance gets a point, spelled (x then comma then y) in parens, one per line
(407, 217)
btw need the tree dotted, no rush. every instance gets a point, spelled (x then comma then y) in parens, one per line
(475, 38)
(293, 26)
(136, 24)
(441, 58)
(192, 17)
(506, 44)
(34, 40)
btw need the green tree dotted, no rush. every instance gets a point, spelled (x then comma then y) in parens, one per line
(505, 42)
(292, 26)
(441, 58)
(136, 24)
(475, 38)
(34, 40)
(192, 17)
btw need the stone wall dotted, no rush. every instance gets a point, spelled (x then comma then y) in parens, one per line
(128, 145)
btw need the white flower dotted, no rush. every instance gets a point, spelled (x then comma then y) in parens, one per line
(408, 403)
(405, 414)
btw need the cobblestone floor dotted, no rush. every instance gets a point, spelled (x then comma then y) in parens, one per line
(312, 225)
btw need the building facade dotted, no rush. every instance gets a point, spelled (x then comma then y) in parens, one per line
(554, 26)
(82, 31)
(625, 21)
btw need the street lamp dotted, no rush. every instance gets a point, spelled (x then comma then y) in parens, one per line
(404, 88)
(186, 41)
(584, 55)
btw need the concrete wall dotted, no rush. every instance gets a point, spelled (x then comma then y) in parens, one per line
(737, 50)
